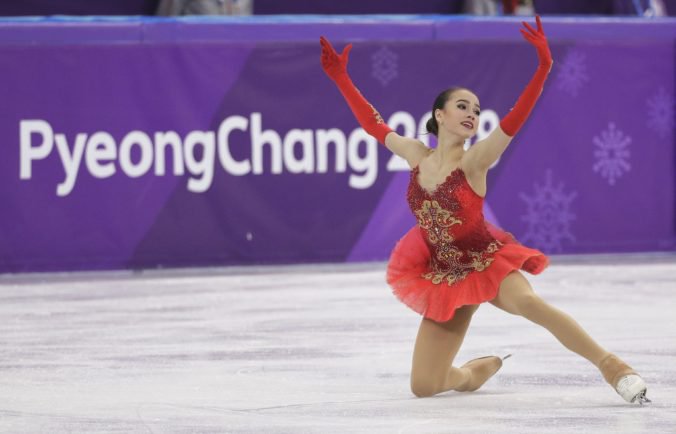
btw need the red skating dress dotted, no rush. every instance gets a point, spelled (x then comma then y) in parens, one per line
(453, 257)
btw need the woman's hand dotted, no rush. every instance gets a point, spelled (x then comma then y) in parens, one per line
(538, 39)
(334, 65)
(513, 120)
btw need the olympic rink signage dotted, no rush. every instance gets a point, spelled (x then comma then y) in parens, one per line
(99, 152)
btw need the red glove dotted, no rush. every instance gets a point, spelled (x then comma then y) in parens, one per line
(335, 66)
(513, 121)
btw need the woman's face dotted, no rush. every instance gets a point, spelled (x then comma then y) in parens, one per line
(460, 115)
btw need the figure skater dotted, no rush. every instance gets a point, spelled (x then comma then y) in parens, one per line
(453, 260)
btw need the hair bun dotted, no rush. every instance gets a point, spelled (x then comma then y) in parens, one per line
(432, 126)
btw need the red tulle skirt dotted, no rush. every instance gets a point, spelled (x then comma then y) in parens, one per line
(410, 259)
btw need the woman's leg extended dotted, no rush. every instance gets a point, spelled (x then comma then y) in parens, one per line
(517, 297)
(435, 348)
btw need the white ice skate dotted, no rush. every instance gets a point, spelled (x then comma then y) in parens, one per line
(626, 382)
(633, 389)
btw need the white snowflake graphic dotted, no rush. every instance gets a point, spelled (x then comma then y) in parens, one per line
(573, 73)
(612, 153)
(384, 65)
(548, 216)
(661, 112)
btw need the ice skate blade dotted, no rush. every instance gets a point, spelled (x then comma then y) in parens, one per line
(642, 399)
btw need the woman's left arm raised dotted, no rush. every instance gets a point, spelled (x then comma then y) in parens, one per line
(486, 152)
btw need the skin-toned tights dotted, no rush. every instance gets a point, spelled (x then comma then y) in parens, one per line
(438, 343)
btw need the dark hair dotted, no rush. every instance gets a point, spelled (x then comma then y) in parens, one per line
(432, 126)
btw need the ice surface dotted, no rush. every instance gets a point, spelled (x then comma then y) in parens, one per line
(319, 349)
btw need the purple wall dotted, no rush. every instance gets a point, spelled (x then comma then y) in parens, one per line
(162, 143)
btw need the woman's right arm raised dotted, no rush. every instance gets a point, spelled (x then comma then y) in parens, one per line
(335, 66)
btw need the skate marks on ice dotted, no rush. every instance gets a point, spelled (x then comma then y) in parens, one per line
(317, 349)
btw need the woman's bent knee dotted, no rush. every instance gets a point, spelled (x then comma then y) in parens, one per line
(423, 388)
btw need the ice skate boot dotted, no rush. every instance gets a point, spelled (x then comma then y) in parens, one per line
(626, 382)
(480, 370)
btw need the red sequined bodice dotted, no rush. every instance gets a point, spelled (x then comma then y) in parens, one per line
(452, 223)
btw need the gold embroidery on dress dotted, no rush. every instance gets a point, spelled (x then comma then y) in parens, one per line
(449, 268)
(436, 220)
(447, 265)
(480, 264)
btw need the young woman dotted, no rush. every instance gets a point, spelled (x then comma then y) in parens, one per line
(453, 260)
